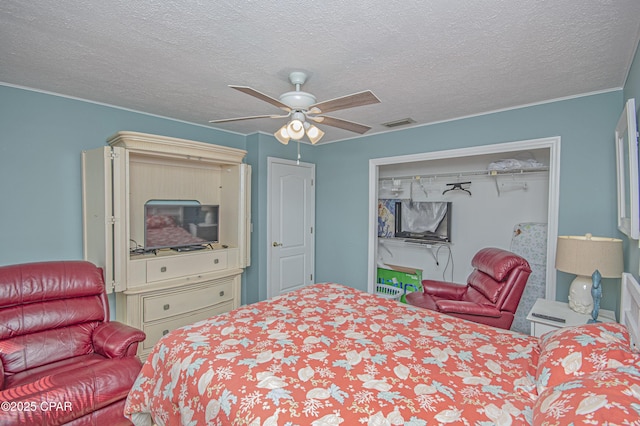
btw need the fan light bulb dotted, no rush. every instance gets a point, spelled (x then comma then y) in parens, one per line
(295, 129)
(282, 135)
(314, 134)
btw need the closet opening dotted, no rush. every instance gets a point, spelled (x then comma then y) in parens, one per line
(495, 192)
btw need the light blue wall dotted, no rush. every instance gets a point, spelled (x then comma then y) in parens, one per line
(587, 179)
(42, 137)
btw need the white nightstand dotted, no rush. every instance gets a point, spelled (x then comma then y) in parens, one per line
(539, 326)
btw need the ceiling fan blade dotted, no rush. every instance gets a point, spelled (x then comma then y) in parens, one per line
(224, 120)
(262, 97)
(341, 124)
(349, 101)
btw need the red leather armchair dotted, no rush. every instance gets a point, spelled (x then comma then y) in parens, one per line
(61, 359)
(491, 295)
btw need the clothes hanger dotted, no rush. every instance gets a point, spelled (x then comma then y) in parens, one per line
(457, 187)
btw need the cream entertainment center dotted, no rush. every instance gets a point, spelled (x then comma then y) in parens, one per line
(158, 290)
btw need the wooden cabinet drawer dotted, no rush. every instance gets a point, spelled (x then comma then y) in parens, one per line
(183, 265)
(180, 302)
(158, 329)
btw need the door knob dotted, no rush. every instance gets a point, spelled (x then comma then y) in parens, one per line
(275, 244)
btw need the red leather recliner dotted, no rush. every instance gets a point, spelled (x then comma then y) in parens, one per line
(491, 295)
(61, 359)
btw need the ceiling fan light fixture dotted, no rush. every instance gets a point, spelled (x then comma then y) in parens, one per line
(313, 133)
(282, 135)
(295, 129)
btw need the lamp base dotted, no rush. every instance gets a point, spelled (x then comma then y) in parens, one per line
(580, 299)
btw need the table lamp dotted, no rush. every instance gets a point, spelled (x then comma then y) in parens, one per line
(584, 256)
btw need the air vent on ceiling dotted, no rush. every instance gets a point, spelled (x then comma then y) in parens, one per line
(397, 123)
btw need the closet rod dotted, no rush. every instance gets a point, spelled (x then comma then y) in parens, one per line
(489, 173)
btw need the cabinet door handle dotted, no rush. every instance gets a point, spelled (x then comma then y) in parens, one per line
(166, 307)
(165, 332)
(163, 269)
(222, 293)
(276, 244)
(216, 261)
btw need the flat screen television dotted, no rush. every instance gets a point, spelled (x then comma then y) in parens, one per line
(180, 226)
(423, 220)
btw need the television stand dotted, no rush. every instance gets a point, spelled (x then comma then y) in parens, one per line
(165, 289)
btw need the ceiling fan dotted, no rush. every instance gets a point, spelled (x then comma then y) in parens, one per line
(302, 108)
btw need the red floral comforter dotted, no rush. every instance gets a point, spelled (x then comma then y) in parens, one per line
(328, 355)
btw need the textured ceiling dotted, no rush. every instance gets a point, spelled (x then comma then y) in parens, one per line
(428, 60)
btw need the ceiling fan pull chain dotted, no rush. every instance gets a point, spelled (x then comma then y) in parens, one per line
(298, 161)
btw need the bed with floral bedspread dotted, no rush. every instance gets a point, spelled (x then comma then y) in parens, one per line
(329, 354)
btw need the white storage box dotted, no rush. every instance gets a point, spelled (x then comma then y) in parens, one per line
(388, 291)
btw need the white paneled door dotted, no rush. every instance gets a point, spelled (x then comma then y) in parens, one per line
(291, 221)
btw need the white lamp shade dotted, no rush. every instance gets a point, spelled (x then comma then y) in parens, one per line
(282, 135)
(582, 255)
(295, 129)
(314, 134)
